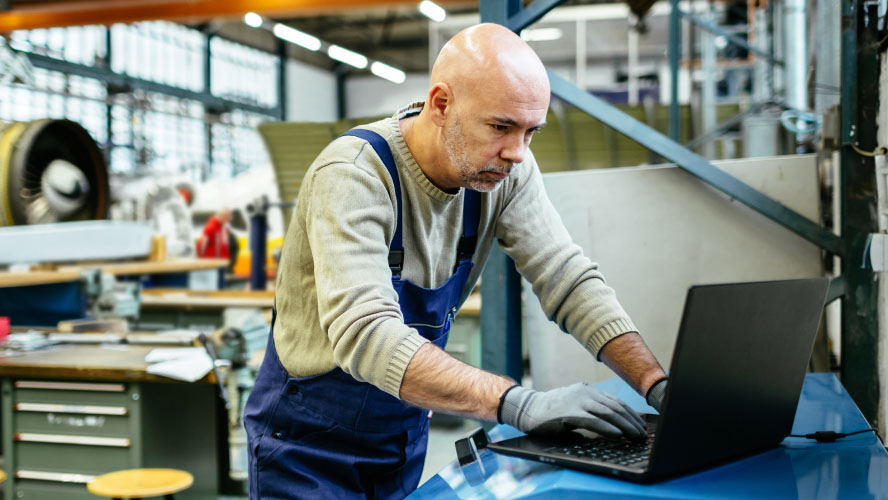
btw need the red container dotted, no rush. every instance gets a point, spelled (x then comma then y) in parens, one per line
(4, 327)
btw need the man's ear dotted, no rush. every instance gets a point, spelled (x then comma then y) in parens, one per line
(439, 102)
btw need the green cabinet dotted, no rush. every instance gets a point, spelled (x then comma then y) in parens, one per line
(59, 434)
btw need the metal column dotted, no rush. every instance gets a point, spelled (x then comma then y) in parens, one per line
(795, 56)
(501, 316)
(707, 87)
(500, 282)
(674, 57)
(860, 88)
(282, 79)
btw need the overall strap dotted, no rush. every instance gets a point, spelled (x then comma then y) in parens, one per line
(471, 219)
(380, 145)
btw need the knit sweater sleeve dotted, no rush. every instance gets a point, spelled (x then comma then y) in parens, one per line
(570, 287)
(349, 221)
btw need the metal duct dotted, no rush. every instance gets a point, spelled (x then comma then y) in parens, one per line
(795, 52)
(50, 171)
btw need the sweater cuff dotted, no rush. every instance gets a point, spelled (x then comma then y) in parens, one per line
(607, 333)
(394, 374)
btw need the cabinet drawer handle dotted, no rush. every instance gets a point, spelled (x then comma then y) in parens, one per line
(65, 439)
(92, 410)
(61, 477)
(69, 386)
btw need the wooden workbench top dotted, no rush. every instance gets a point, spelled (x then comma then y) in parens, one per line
(120, 362)
(64, 274)
(165, 298)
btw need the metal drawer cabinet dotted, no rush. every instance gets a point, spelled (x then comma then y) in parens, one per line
(59, 435)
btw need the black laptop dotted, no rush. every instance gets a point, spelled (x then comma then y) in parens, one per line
(737, 371)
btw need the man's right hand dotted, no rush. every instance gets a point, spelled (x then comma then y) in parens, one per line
(579, 406)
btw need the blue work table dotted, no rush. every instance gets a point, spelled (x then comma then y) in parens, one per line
(855, 467)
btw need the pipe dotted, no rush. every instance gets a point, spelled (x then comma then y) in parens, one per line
(795, 50)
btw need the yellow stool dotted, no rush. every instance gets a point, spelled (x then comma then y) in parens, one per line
(2, 476)
(140, 483)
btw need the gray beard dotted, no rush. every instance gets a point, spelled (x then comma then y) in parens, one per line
(455, 144)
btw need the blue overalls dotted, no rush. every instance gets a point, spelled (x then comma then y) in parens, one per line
(331, 437)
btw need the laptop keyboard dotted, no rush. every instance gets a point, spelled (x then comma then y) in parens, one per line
(622, 452)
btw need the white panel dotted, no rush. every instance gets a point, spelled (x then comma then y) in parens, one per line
(657, 230)
(311, 93)
(74, 241)
(372, 96)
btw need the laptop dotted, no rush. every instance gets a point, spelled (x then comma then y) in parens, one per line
(737, 371)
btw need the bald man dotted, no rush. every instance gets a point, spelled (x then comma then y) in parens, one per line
(393, 224)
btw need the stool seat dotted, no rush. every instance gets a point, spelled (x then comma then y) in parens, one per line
(140, 483)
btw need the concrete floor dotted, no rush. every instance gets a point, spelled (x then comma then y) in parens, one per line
(441, 450)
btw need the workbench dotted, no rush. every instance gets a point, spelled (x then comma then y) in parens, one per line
(854, 467)
(72, 412)
(68, 273)
(197, 309)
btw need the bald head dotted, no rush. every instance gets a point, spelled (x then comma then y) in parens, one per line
(490, 55)
(489, 94)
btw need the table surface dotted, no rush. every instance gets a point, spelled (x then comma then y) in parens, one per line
(117, 362)
(853, 467)
(167, 298)
(63, 274)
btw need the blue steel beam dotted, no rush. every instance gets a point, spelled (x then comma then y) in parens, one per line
(530, 14)
(500, 11)
(695, 165)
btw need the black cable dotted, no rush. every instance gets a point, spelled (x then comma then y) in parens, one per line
(830, 436)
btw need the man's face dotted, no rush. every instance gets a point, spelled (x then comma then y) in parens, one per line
(483, 144)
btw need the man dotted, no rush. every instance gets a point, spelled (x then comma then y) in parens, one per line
(390, 224)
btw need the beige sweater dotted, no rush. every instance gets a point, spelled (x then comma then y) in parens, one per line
(334, 298)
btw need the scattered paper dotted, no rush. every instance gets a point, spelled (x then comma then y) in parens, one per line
(185, 363)
(170, 353)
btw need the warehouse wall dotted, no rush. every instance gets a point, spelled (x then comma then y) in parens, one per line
(372, 96)
(311, 93)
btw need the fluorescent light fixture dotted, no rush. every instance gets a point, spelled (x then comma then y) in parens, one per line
(253, 19)
(432, 10)
(295, 36)
(391, 74)
(347, 56)
(541, 34)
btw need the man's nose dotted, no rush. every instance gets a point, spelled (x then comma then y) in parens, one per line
(514, 148)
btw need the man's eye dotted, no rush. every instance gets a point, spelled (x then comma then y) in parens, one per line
(499, 128)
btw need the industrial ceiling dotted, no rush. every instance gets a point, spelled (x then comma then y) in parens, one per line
(386, 30)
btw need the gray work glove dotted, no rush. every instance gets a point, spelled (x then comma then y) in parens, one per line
(579, 406)
(655, 394)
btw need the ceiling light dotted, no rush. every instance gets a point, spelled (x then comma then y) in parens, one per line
(295, 36)
(391, 74)
(253, 19)
(432, 10)
(347, 56)
(541, 34)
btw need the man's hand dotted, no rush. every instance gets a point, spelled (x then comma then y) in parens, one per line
(579, 406)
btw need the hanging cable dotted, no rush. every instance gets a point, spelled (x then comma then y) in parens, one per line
(881, 150)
